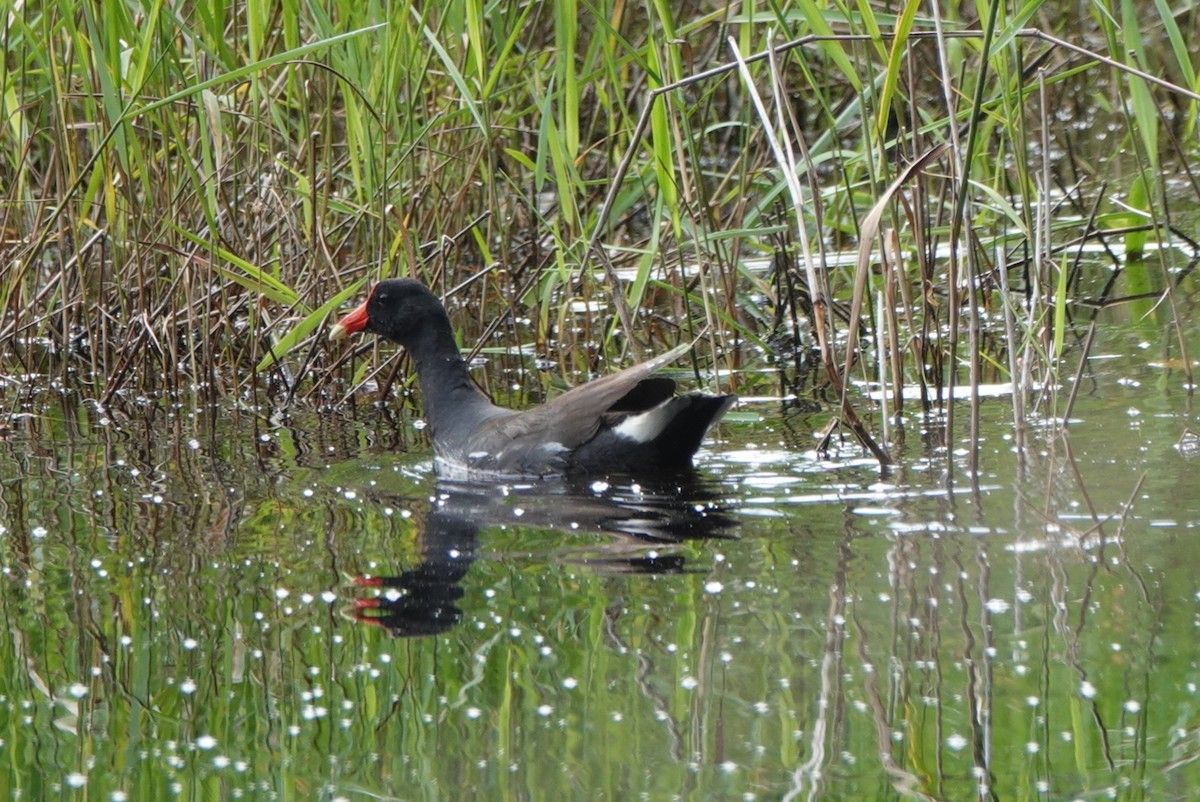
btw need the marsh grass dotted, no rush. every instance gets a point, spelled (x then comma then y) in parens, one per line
(190, 192)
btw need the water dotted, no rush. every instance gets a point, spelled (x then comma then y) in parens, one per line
(217, 606)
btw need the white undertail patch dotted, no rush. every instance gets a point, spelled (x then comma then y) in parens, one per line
(644, 427)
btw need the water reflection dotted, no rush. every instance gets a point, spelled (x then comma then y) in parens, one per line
(640, 517)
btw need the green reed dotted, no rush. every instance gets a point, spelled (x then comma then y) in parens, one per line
(190, 192)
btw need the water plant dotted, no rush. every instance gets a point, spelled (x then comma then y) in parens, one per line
(190, 192)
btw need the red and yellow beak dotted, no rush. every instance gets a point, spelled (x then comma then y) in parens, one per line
(352, 323)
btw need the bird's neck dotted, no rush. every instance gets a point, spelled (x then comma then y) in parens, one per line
(445, 382)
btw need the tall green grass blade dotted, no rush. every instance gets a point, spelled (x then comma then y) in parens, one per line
(284, 345)
(663, 148)
(894, 65)
(566, 29)
(552, 148)
(832, 50)
(1138, 200)
(1017, 23)
(1060, 308)
(144, 53)
(1004, 206)
(456, 77)
(476, 42)
(1179, 48)
(106, 68)
(664, 12)
(252, 277)
(14, 115)
(868, 19)
(546, 131)
(501, 66)
(256, 28)
(1183, 61)
(1145, 112)
(662, 144)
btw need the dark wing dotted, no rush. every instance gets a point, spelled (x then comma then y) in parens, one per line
(558, 427)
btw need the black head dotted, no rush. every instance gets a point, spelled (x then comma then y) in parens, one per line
(397, 309)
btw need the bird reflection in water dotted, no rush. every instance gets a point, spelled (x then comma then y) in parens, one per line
(639, 516)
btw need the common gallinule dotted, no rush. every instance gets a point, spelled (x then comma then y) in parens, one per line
(628, 422)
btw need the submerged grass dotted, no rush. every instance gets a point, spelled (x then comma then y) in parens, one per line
(190, 191)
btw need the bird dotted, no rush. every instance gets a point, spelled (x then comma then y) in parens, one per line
(625, 423)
